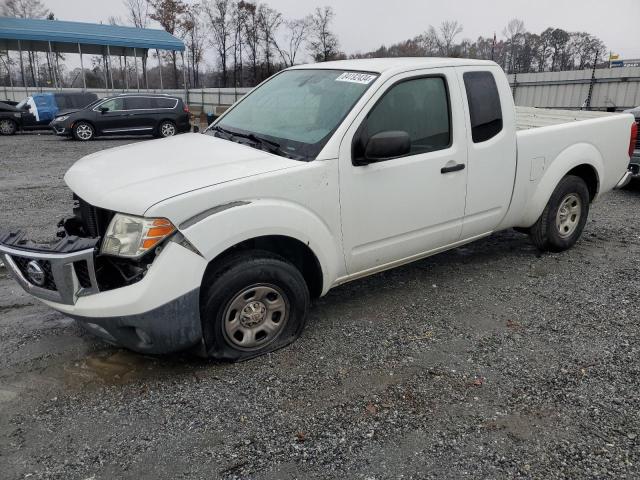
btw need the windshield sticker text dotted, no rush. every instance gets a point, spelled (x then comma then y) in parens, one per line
(355, 77)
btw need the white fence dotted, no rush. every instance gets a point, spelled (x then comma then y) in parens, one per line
(205, 98)
(613, 88)
(617, 88)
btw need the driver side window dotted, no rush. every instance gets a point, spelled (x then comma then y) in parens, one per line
(113, 104)
(419, 107)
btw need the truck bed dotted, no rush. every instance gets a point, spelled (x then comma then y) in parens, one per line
(530, 117)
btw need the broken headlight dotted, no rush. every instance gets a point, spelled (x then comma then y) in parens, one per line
(130, 236)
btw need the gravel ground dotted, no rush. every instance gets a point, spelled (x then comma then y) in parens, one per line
(489, 361)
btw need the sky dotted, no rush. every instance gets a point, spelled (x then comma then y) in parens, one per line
(364, 25)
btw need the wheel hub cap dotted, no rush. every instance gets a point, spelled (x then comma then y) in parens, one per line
(255, 316)
(568, 216)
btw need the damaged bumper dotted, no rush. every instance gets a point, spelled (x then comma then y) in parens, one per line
(157, 314)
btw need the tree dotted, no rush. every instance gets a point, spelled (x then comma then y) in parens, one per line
(218, 13)
(194, 28)
(269, 21)
(296, 31)
(322, 44)
(559, 41)
(449, 30)
(137, 12)
(514, 31)
(168, 13)
(251, 35)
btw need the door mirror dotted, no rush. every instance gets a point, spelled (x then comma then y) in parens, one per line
(26, 107)
(386, 145)
(196, 129)
(104, 109)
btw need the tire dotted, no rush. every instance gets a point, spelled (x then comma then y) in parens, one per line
(8, 126)
(255, 302)
(83, 131)
(166, 129)
(563, 219)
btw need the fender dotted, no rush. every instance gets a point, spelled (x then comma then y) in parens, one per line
(573, 156)
(254, 218)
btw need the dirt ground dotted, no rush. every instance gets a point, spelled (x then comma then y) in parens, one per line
(488, 361)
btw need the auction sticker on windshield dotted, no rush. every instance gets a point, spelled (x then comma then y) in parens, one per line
(356, 77)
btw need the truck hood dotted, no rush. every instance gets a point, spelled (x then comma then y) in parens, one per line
(132, 178)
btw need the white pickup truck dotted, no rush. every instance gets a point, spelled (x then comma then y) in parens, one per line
(323, 174)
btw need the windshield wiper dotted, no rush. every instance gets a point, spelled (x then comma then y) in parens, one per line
(269, 145)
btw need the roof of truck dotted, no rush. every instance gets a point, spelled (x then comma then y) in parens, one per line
(380, 65)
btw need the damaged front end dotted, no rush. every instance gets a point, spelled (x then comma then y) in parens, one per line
(72, 267)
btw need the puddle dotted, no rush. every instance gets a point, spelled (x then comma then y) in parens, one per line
(120, 367)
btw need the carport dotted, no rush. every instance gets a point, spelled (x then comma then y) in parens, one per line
(57, 36)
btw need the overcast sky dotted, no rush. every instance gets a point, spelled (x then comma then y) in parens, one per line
(363, 25)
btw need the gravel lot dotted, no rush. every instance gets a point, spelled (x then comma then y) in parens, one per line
(489, 361)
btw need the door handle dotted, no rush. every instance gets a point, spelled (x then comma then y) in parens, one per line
(453, 168)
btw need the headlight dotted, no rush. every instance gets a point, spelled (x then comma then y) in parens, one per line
(62, 118)
(130, 236)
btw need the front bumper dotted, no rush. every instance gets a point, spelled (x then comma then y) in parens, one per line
(154, 315)
(60, 129)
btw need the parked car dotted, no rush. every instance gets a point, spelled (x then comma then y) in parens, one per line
(634, 165)
(126, 114)
(10, 118)
(37, 111)
(322, 175)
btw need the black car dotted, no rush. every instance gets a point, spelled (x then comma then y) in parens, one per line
(126, 114)
(36, 111)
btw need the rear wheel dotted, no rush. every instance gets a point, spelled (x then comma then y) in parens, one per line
(254, 303)
(563, 219)
(83, 131)
(166, 129)
(8, 126)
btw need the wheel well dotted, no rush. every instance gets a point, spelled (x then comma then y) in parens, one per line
(590, 177)
(82, 120)
(292, 250)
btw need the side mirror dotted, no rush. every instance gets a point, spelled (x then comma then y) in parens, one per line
(26, 107)
(386, 145)
(196, 129)
(104, 109)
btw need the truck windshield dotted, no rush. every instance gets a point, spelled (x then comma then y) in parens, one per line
(295, 113)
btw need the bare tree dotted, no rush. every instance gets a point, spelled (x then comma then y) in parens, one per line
(514, 31)
(296, 30)
(449, 30)
(193, 26)
(168, 13)
(269, 21)
(218, 13)
(322, 43)
(251, 35)
(137, 12)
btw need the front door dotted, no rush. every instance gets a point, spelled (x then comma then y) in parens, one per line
(400, 209)
(111, 115)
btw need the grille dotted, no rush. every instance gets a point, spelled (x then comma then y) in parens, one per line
(82, 272)
(94, 220)
(49, 282)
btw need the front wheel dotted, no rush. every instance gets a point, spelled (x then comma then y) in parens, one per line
(8, 126)
(563, 219)
(253, 303)
(83, 131)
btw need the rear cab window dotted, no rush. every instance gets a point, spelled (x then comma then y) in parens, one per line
(485, 111)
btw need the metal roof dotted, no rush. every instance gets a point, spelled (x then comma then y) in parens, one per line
(35, 35)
